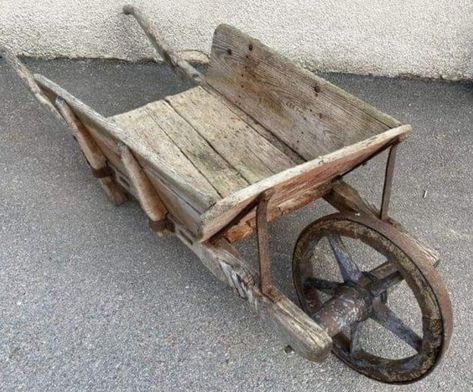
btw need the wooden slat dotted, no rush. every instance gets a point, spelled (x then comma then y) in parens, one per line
(224, 178)
(144, 130)
(196, 198)
(268, 135)
(308, 113)
(291, 182)
(247, 151)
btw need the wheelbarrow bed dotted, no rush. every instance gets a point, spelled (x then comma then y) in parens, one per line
(230, 158)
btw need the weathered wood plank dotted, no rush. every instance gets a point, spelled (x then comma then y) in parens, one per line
(223, 177)
(253, 156)
(195, 197)
(347, 199)
(307, 175)
(309, 114)
(268, 135)
(144, 130)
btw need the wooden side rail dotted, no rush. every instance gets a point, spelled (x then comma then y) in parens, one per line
(170, 56)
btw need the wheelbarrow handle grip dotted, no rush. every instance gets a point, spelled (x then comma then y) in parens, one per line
(128, 9)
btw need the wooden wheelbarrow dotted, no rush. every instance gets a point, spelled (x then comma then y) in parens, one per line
(256, 138)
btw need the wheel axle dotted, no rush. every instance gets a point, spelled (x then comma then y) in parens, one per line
(349, 306)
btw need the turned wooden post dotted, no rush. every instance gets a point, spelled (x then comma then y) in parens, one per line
(146, 193)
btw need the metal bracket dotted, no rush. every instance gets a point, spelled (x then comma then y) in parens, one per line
(266, 280)
(261, 204)
(161, 225)
(105, 171)
(388, 181)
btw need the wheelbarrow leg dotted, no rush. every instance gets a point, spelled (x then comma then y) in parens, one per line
(94, 156)
(145, 191)
(171, 57)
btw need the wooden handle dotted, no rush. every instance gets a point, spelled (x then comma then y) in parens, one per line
(128, 9)
(169, 55)
(28, 79)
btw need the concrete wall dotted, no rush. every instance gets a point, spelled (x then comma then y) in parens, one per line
(429, 38)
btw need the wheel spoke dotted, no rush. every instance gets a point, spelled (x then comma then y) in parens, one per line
(388, 319)
(355, 333)
(348, 268)
(326, 286)
(386, 276)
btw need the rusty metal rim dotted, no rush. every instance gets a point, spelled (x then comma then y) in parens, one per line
(426, 270)
(425, 267)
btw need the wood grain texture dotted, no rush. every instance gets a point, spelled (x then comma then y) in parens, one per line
(144, 130)
(291, 182)
(268, 135)
(239, 144)
(223, 177)
(309, 114)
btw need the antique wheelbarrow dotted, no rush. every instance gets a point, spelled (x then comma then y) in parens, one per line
(256, 138)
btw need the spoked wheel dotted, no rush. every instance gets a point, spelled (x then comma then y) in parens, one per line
(362, 299)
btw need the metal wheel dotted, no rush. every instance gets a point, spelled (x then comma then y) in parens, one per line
(361, 298)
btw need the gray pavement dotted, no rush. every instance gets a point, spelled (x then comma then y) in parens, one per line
(91, 300)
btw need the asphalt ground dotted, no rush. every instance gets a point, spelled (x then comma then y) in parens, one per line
(91, 300)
